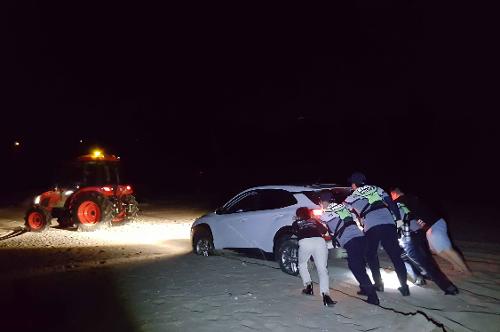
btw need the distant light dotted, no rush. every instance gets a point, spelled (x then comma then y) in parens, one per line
(118, 157)
(107, 189)
(97, 154)
(37, 200)
(68, 192)
(129, 187)
(81, 141)
(16, 143)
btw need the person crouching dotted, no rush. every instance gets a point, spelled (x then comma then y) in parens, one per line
(311, 243)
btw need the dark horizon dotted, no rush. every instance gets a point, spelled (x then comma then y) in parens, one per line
(193, 101)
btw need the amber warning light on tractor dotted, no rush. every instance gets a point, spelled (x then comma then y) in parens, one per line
(97, 154)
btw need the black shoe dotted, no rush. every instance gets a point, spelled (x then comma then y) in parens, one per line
(373, 299)
(327, 301)
(404, 290)
(372, 294)
(362, 292)
(308, 290)
(379, 286)
(452, 290)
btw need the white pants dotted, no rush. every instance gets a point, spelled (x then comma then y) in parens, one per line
(315, 246)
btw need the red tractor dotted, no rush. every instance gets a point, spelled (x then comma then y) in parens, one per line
(88, 195)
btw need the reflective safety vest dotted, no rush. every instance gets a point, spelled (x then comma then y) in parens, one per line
(405, 210)
(406, 220)
(341, 210)
(375, 201)
(345, 217)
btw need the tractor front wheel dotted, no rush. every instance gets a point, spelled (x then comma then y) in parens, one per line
(37, 219)
(91, 212)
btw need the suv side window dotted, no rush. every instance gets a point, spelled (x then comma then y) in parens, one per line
(248, 202)
(276, 199)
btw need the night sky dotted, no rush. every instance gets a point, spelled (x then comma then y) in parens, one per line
(223, 97)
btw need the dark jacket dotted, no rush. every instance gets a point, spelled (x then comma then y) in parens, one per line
(308, 228)
(419, 210)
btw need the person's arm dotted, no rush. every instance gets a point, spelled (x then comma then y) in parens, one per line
(295, 228)
(359, 222)
(320, 226)
(326, 216)
(328, 221)
(332, 225)
(392, 207)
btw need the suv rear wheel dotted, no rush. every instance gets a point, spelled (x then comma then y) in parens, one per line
(288, 256)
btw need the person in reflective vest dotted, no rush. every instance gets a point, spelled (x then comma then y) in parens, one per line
(415, 270)
(417, 252)
(377, 213)
(435, 228)
(345, 231)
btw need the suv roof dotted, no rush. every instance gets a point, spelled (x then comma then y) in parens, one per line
(297, 188)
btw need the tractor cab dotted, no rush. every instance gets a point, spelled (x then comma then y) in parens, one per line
(87, 193)
(99, 169)
(90, 170)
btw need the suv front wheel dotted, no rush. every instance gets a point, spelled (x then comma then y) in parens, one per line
(203, 243)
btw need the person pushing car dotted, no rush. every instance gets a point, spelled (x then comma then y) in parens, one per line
(345, 232)
(378, 213)
(311, 243)
(416, 249)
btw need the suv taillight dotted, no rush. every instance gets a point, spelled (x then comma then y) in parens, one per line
(316, 212)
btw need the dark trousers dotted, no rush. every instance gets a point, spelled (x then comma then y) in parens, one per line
(413, 269)
(418, 252)
(388, 236)
(356, 249)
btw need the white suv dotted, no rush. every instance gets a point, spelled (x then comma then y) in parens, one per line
(260, 219)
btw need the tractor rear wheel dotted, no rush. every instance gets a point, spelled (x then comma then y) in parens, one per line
(91, 211)
(37, 219)
(132, 209)
(128, 212)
